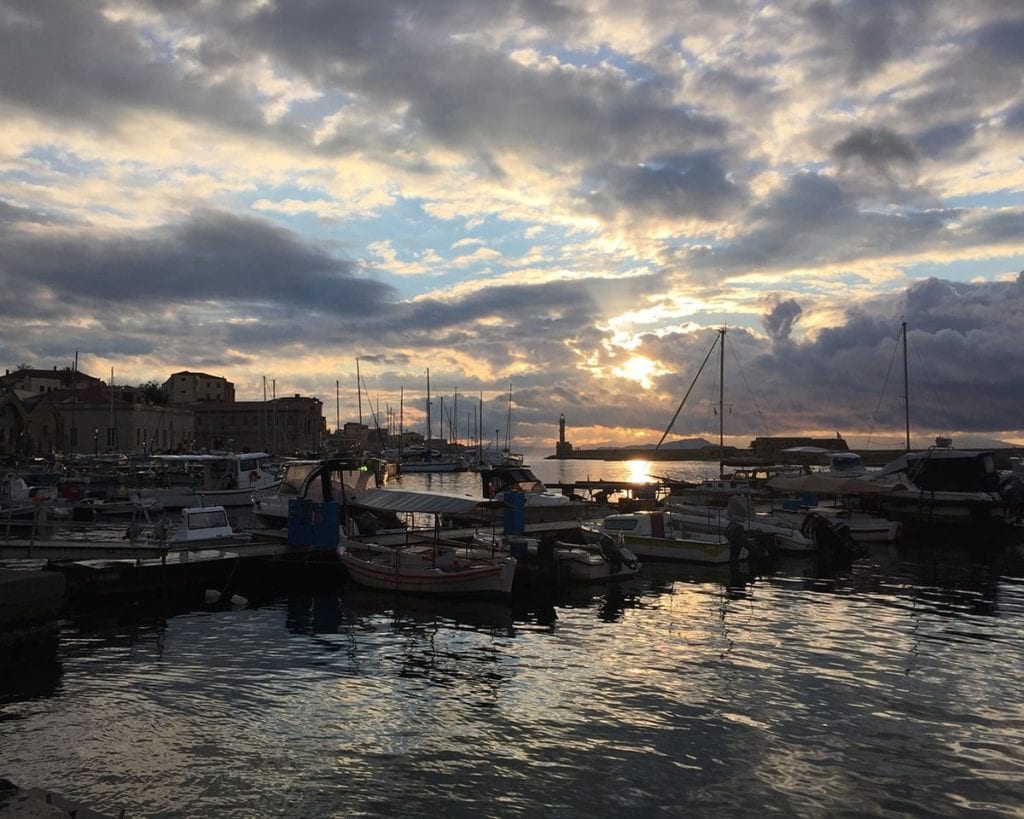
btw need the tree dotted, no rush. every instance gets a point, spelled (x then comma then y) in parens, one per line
(153, 392)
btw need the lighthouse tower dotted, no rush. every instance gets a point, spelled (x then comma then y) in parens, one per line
(563, 449)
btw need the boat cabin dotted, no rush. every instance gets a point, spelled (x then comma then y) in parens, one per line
(203, 523)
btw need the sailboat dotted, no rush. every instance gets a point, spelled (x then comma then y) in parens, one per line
(714, 491)
(945, 493)
(427, 459)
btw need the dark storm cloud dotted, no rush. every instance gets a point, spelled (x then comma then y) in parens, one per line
(667, 187)
(965, 364)
(778, 322)
(210, 257)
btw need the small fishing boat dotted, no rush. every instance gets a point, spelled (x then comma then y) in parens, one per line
(418, 561)
(426, 568)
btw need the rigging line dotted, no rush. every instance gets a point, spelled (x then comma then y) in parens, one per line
(688, 391)
(926, 382)
(885, 384)
(761, 416)
(712, 404)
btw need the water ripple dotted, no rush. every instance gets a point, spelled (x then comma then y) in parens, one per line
(881, 693)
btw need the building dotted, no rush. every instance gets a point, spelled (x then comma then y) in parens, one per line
(30, 424)
(105, 419)
(769, 447)
(280, 426)
(189, 388)
(29, 380)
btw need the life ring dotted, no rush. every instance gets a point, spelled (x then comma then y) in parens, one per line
(254, 476)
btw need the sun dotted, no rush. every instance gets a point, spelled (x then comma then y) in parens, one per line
(638, 368)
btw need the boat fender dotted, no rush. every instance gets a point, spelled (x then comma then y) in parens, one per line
(254, 476)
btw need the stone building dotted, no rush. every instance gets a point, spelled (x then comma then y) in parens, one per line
(30, 380)
(30, 424)
(106, 419)
(188, 387)
(279, 426)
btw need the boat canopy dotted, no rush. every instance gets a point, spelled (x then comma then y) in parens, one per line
(412, 500)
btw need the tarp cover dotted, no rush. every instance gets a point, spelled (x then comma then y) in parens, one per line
(831, 485)
(417, 500)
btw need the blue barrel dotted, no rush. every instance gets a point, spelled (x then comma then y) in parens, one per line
(515, 516)
(326, 525)
(300, 522)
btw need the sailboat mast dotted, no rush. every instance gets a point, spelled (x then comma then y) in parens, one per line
(906, 384)
(721, 405)
(508, 423)
(429, 450)
(359, 392)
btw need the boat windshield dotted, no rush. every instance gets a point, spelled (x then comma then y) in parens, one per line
(212, 519)
(619, 524)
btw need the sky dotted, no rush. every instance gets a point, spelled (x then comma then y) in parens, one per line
(562, 200)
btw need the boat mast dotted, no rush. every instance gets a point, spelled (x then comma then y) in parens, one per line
(721, 405)
(508, 423)
(359, 392)
(429, 449)
(906, 384)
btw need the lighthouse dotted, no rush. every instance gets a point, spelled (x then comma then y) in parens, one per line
(563, 449)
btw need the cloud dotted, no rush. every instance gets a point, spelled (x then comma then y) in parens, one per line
(666, 188)
(258, 186)
(778, 322)
(878, 148)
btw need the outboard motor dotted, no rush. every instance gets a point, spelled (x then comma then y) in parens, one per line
(832, 539)
(739, 543)
(611, 551)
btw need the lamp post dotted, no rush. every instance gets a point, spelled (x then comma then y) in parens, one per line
(95, 440)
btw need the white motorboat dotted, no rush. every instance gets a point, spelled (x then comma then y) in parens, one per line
(347, 478)
(662, 536)
(197, 527)
(785, 534)
(500, 481)
(583, 562)
(227, 479)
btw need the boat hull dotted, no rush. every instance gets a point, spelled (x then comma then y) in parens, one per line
(417, 572)
(708, 549)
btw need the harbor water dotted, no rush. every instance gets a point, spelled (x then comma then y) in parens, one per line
(892, 688)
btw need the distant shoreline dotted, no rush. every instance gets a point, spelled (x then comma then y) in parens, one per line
(871, 457)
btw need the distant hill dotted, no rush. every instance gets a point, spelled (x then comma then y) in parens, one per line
(685, 443)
